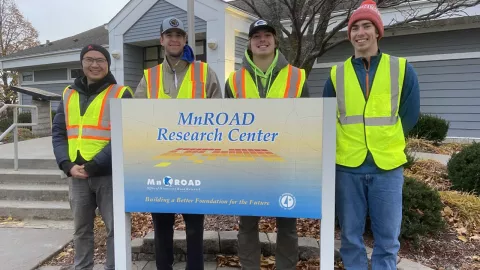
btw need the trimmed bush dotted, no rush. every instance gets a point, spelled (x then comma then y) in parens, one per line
(23, 134)
(431, 128)
(464, 169)
(411, 159)
(421, 210)
(5, 123)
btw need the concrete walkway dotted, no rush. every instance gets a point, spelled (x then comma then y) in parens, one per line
(145, 265)
(40, 148)
(440, 158)
(25, 248)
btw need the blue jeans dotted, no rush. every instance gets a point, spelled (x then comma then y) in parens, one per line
(381, 196)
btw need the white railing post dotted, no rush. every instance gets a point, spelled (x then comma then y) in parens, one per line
(15, 126)
(15, 139)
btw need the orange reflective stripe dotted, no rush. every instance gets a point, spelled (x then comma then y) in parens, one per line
(119, 90)
(97, 127)
(298, 81)
(103, 105)
(192, 78)
(244, 91)
(235, 88)
(202, 66)
(287, 86)
(96, 138)
(149, 83)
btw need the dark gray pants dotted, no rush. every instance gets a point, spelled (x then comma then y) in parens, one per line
(85, 196)
(286, 253)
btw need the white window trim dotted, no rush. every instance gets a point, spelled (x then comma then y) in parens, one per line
(46, 82)
(418, 58)
(33, 76)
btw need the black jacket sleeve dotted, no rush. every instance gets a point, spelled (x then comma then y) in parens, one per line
(60, 140)
(228, 91)
(101, 164)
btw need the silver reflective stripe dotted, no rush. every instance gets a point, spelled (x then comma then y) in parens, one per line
(87, 132)
(105, 121)
(73, 132)
(348, 120)
(153, 81)
(198, 77)
(295, 78)
(238, 83)
(344, 119)
(381, 121)
(372, 121)
(394, 88)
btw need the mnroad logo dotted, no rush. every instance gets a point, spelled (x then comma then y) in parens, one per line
(169, 181)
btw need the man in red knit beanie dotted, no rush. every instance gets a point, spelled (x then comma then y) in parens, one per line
(378, 101)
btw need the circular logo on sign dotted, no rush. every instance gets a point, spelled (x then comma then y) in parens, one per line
(174, 22)
(287, 201)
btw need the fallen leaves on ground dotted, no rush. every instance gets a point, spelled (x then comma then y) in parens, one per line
(462, 212)
(9, 221)
(421, 145)
(431, 172)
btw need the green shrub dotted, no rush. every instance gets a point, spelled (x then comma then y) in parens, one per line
(421, 210)
(5, 123)
(464, 169)
(431, 128)
(411, 159)
(25, 117)
(23, 134)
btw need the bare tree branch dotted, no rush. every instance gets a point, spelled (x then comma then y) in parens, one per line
(16, 34)
(312, 34)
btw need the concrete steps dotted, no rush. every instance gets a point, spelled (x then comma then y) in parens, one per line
(35, 209)
(33, 163)
(38, 190)
(34, 192)
(32, 177)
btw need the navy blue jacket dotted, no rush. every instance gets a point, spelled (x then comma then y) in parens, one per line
(102, 162)
(409, 103)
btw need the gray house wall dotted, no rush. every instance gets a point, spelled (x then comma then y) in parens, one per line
(148, 27)
(56, 88)
(448, 88)
(240, 47)
(133, 65)
(446, 42)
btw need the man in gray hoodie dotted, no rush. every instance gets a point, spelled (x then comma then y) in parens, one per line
(266, 73)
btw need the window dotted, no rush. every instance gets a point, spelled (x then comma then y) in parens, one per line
(76, 72)
(50, 75)
(152, 56)
(200, 52)
(27, 76)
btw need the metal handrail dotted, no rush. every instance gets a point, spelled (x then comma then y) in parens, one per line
(15, 126)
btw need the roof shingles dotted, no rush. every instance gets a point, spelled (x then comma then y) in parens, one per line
(98, 35)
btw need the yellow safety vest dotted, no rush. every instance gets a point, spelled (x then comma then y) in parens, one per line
(90, 133)
(373, 125)
(193, 84)
(288, 84)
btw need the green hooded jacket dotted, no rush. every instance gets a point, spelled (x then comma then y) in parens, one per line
(264, 80)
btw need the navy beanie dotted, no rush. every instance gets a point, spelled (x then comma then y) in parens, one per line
(98, 48)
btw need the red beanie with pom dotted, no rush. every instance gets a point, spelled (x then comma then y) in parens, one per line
(367, 11)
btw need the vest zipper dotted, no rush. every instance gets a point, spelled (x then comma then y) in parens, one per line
(367, 93)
